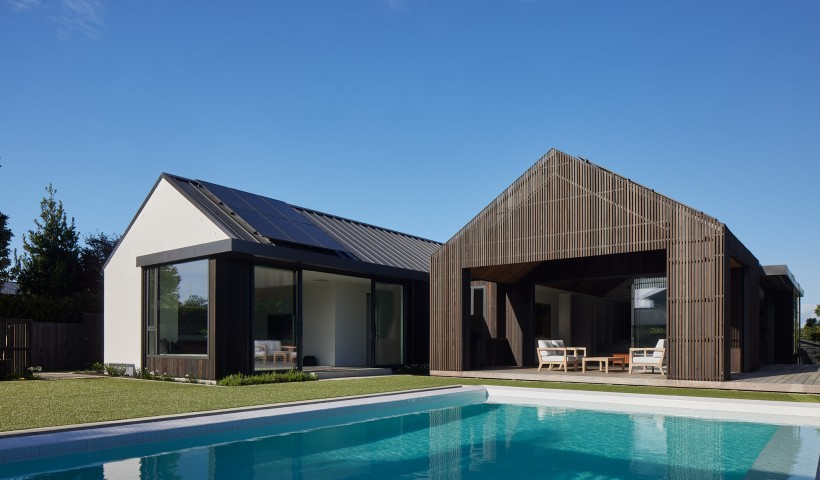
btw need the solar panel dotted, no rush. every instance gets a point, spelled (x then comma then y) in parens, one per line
(322, 239)
(273, 218)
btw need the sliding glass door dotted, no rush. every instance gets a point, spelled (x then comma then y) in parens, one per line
(274, 319)
(388, 324)
(648, 311)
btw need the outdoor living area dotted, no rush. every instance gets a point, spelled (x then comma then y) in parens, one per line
(572, 314)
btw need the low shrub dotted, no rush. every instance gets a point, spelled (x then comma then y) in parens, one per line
(114, 370)
(412, 369)
(239, 379)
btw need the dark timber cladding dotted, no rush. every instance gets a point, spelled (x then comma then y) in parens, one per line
(564, 207)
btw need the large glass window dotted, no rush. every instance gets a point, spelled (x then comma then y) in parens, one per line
(176, 309)
(648, 311)
(274, 319)
(389, 324)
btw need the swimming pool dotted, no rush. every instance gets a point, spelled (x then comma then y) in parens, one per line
(454, 433)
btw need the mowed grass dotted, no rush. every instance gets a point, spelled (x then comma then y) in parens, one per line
(48, 403)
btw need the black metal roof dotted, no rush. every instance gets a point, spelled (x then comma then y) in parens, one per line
(251, 217)
(375, 244)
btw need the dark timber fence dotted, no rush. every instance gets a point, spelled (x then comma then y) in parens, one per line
(15, 351)
(67, 346)
(53, 346)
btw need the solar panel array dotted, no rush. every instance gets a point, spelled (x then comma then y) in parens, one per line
(272, 218)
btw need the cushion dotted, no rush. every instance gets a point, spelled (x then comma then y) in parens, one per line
(273, 346)
(259, 345)
(559, 358)
(645, 360)
(660, 344)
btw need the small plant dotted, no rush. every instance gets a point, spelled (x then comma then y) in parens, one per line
(413, 369)
(114, 370)
(191, 378)
(239, 379)
(97, 367)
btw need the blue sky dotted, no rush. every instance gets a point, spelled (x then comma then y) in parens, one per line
(414, 114)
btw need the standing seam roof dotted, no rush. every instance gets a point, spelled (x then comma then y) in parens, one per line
(374, 244)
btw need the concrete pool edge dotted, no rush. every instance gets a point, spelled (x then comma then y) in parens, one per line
(66, 440)
(92, 438)
(759, 411)
(205, 413)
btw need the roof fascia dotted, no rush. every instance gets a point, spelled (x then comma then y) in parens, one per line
(299, 258)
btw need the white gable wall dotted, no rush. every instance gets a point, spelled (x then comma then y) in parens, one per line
(167, 221)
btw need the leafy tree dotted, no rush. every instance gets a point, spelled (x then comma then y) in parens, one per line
(97, 249)
(50, 263)
(195, 301)
(810, 323)
(817, 311)
(5, 240)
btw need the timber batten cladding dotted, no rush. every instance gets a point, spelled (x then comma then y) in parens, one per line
(564, 207)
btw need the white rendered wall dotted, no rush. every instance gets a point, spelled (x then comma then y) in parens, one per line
(167, 221)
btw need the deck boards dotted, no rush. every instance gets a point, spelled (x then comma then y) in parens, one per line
(770, 378)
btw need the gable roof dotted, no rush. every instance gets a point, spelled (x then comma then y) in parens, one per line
(264, 220)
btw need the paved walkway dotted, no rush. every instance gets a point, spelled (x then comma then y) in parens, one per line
(770, 378)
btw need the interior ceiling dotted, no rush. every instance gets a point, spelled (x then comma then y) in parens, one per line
(597, 287)
(310, 276)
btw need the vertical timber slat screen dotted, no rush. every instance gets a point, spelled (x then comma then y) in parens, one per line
(564, 207)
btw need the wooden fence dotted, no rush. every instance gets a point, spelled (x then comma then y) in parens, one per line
(53, 346)
(15, 354)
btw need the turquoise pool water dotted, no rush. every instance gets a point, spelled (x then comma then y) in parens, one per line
(471, 441)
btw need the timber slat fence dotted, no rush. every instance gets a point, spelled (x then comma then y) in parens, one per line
(15, 349)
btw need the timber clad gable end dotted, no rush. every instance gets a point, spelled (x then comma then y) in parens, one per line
(564, 207)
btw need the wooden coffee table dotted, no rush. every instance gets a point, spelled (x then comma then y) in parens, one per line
(603, 363)
(624, 356)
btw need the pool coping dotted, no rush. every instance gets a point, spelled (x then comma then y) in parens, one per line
(759, 411)
(32, 445)
(206, 413)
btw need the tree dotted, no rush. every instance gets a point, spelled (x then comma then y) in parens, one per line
(810, 323)
(50, 262)
(97, 249)
(5, 240)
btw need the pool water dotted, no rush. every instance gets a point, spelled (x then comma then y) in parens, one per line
(472, 441)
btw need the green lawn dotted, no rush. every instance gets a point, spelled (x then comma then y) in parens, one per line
(34, 404)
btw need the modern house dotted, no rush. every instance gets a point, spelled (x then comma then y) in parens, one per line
(208, 281)
(575, 252)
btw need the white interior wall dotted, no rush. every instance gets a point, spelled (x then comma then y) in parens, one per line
(561, 307)
(565, 317)
(351, 323)
(318, 321)
(167, 221)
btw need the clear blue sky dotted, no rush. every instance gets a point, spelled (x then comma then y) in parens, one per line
(414, 114)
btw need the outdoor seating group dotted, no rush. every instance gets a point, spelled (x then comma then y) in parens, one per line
(555, 353)
(275, 351)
